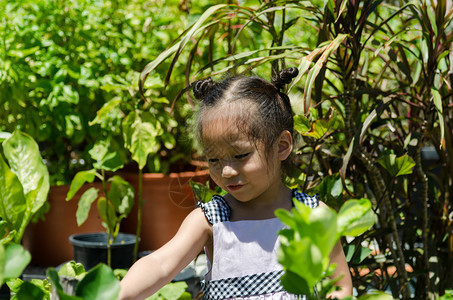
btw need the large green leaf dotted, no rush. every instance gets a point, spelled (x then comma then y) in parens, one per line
(84, 206)
(302, 258)
(355, 217)
(12, 199)
(99, 283)
(25, 161)
(323, 223)
(79, 180)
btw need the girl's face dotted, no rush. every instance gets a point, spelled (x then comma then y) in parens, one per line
(237, 165)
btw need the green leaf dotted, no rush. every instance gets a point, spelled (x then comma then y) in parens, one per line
(202, 192)
(437, 99)
(72, 269)
(323, 223)
(302, 258)
(4, 136)
(13, 260)
(355, 217)
(295, 284)
(173, 290)
(301, 124)
(121, 194)
(84, 206)
(2, 264)
(106, 157)
(29, 291)
(99, 283)
(25, 161)
(12, 199)
(107, 213)
(102, 113)
(79, 180)
(143, 142)
(397, 166)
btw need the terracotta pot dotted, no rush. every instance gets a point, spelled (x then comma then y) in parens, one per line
(168, 199)
(48, 240)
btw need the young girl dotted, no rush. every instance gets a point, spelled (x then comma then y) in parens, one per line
(245, 125)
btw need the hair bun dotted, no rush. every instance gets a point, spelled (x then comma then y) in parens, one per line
(284, 77)
(201, 88)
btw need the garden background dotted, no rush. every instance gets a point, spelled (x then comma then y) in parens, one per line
(105, 84)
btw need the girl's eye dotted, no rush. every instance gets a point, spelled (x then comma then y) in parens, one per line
(241, 156)
(213, 160)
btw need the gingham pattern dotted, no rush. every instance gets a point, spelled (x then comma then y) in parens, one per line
(250, 285)
(310, 201)
(216, 210)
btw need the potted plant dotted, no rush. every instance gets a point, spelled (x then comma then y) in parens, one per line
(114, 201)
(158, 156)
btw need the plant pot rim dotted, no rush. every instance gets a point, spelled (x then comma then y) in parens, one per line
(176, 174)
(99, 240)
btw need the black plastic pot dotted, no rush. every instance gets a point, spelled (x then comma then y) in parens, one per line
(91, 248)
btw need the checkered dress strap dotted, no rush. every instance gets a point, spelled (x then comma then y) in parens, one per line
(310, 201)
(216, 210)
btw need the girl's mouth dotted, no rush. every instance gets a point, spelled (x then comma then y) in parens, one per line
(234, 187)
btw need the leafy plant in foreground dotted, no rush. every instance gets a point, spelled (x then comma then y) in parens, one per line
(309, 239)
(25, 185)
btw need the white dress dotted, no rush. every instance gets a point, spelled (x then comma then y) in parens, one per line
(245, 263)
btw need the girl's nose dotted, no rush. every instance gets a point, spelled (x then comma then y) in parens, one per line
(228, 171)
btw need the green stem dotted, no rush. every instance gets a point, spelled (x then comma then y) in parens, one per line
(109, 240)
(139, 212)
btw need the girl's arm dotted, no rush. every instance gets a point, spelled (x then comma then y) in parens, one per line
(345, 283)
(153, 271)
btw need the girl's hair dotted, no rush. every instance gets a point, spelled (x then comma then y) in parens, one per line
(265, 120)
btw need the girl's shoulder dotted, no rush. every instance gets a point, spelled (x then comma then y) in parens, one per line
(217, 210)
(310, 201)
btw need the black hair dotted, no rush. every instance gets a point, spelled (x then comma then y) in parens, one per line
(273, 106)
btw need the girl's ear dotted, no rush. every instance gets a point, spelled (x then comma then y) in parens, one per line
(285, 145)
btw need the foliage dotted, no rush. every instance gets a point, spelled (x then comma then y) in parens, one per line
(173, 290)
(101, 282)
(25, 185)
(309, 238)
(61, 62)
(374, 89)
(98, 283)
